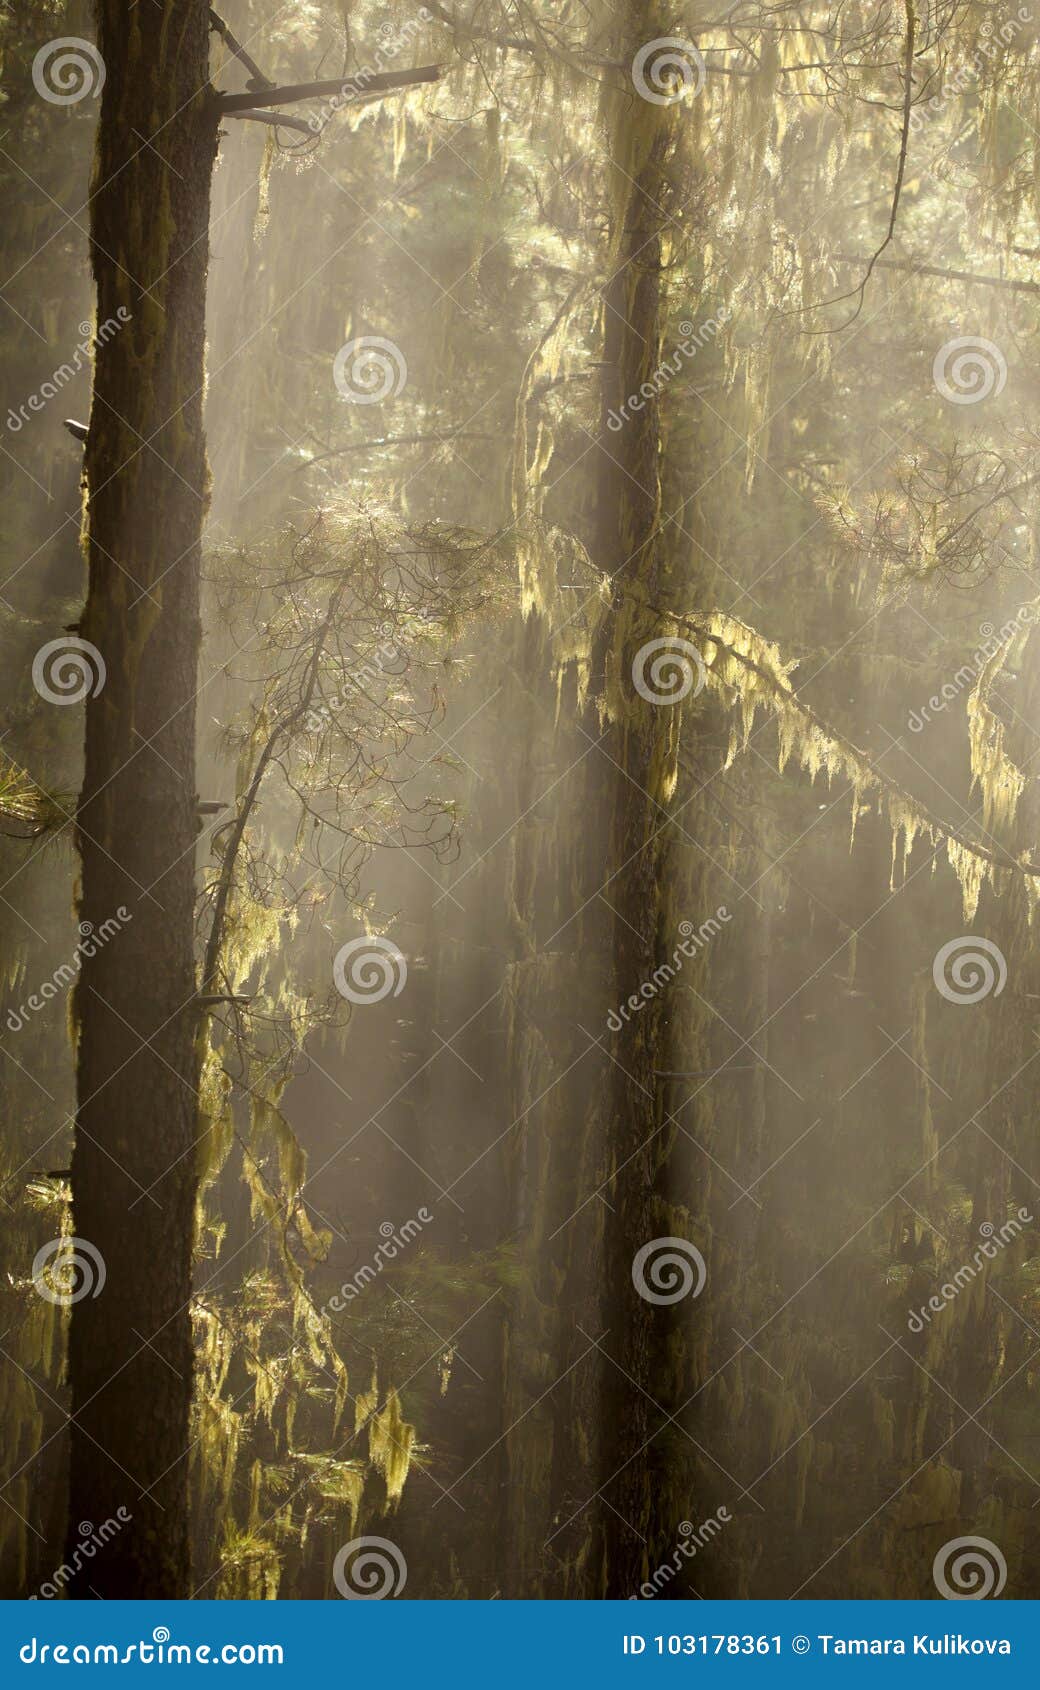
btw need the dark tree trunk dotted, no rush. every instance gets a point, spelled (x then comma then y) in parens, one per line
(133, 1170)
(639, 1385)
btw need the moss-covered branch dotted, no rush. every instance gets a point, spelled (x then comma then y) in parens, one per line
(750, 666)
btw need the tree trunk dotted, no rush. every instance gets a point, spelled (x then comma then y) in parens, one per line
(133, 1168)
(641, 1383)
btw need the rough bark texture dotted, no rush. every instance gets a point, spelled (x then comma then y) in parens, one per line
(640, 750)
(130, 1351)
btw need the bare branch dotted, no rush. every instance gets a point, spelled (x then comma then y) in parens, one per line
(351, 90)
(277, 119)
(859, 293)
(914, 269)
(217, 24)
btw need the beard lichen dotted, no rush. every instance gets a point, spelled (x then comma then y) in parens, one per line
(749, 674)
(999, 780)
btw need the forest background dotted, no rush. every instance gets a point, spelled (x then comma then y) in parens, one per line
(532, 1093)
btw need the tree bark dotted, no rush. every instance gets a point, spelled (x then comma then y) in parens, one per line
(133, 1167)
(640, 1383)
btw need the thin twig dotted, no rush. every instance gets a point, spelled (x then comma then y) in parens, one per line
(859, 293)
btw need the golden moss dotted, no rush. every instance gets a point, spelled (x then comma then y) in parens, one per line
(999, 780)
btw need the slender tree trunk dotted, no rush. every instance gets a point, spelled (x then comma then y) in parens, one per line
(133, 1169)
(636, 781)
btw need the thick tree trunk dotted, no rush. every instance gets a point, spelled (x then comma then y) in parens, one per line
(133, 1170)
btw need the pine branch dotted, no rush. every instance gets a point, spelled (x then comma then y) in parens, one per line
(237, 826)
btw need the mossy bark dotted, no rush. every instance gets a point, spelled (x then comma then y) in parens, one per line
(133, 1169)
(640, 1383)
